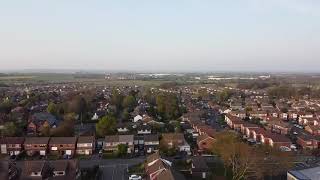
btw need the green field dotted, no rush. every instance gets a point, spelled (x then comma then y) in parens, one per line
(69, 78)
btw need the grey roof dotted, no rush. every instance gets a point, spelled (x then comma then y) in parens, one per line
(151, 137)
(36, 140)
(199, 163)
(119, 138)
(307, 174)
(126, 138)
(86, 139)
(63, 140)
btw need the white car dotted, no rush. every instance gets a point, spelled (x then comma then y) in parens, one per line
(284, 149)
(134, 177)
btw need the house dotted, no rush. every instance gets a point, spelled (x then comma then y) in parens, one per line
(233, 122)
(268, 138)
(85, 145)
(59, 169)
(65, 169)
(112, 142)
(138, 144)
(199, 168)
(205, 143)
(308, 141)
(122, 128)
(95, 117)
(144, 129)
(151, 143)
(278, 125)
(39, 120)
(240, 114)
(313, 129)
(36, 145)
(8, 170)
(36, 170)
(64, 146)
(175, 140)
(304, 174)
(137, 118)
(157, 168)
(258, 114)
(11, 145)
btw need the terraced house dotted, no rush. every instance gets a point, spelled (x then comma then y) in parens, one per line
(64, 146)
(85, 145)
(112, 142)
(36, 145)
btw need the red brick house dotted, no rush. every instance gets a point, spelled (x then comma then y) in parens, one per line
(36, 145)
(205, 143)
(63, 145)
(11, 145)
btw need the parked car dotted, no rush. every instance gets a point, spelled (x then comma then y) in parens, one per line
(135, 177)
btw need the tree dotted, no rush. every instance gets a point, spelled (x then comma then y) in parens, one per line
(52, 108)
(125, 115)
(122, 149)
(79, 105)
(116, 98)
(236, 155)
(9, 129)
(273, 163)
(167, 106)
(106, 125)
(66, 127)
(224, 95)
(247, 161)
(6, 106)
(129, 102)
(45, 131)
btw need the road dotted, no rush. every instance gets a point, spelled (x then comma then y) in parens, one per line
(114, 172)
(112, 169)
(110, 162)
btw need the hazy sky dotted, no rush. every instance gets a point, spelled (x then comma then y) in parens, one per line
(161, 35)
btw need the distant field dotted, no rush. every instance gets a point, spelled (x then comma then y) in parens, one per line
(3, 78)
(64, 78)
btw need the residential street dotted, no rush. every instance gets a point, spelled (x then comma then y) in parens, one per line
(112, 169)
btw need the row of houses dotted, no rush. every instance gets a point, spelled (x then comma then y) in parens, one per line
(83, 145)
(40, 169)
(257, 134)
(135, 143)
(274, 113)
(204, 134)
(42, 145)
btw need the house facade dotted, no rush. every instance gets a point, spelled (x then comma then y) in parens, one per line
(64, 146)
(36, 145)
(112, 142)
(11, 145)
(85, 145)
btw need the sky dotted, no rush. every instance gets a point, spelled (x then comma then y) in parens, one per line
(161, 35)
